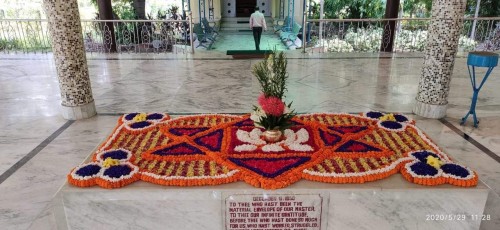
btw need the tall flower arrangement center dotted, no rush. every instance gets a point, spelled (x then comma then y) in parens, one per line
(272, 113)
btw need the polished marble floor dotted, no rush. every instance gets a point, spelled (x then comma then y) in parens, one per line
(244, 41)
(38, 147)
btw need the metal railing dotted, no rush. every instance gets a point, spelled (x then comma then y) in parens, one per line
(163, 36)
(102, 36)
(369, 35)
(24, 35)
(136, 36)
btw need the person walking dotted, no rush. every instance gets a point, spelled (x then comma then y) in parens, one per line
(257, 23)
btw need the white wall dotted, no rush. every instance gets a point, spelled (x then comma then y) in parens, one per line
(229, 8)
(217, 9)
(299, 10)
(275, 10)
(265, 7)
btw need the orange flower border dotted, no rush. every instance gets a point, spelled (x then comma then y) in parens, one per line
(184, 182)
(104, 181)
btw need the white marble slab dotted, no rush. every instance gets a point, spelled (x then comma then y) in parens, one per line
(392, 203)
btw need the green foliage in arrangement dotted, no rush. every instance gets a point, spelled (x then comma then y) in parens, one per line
(272, 75)
(272, 113)
(281, 123)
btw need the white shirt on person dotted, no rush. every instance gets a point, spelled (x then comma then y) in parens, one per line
(257, 20)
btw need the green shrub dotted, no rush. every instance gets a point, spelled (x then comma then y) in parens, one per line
(10, 44)
(466, 44)
(364, 40)
(337, 45)
(411, 40)
(369, 40)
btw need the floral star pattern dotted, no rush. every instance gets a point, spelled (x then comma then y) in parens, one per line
(217, 149)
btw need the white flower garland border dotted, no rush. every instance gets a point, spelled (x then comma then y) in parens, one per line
(390, 167)
(221, 176)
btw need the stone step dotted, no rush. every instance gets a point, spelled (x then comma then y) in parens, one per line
(240, 23)
(241, 19)
(244, 32)
(235, 25)
(240, 30)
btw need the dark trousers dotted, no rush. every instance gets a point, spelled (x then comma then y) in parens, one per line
(257, 31)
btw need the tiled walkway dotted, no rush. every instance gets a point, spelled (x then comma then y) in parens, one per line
(38, 147)
(244, 41)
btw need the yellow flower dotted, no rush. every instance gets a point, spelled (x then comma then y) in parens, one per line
(110, 162)
(434, 162)
(140, 117)
(388, 117)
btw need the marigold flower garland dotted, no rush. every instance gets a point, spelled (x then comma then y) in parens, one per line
(216, 149)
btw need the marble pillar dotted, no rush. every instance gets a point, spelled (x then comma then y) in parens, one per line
(442, 44)
(69, 55)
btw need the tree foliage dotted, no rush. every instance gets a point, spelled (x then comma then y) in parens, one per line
(122, 9)
(417, 8)
(354, 8)
(488, 8)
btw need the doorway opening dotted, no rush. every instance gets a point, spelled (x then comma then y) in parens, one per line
(244, 8)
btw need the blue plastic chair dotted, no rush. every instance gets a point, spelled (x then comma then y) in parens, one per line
(478, 59)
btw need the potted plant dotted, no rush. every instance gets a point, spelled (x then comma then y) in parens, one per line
(271, 113)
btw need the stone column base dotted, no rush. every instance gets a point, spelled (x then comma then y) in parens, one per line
(430, 111)
(78, 112)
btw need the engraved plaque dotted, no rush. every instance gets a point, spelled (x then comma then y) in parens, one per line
(273, 211)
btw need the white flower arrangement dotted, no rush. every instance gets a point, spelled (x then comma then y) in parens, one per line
(257, 115)
(293, 141)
